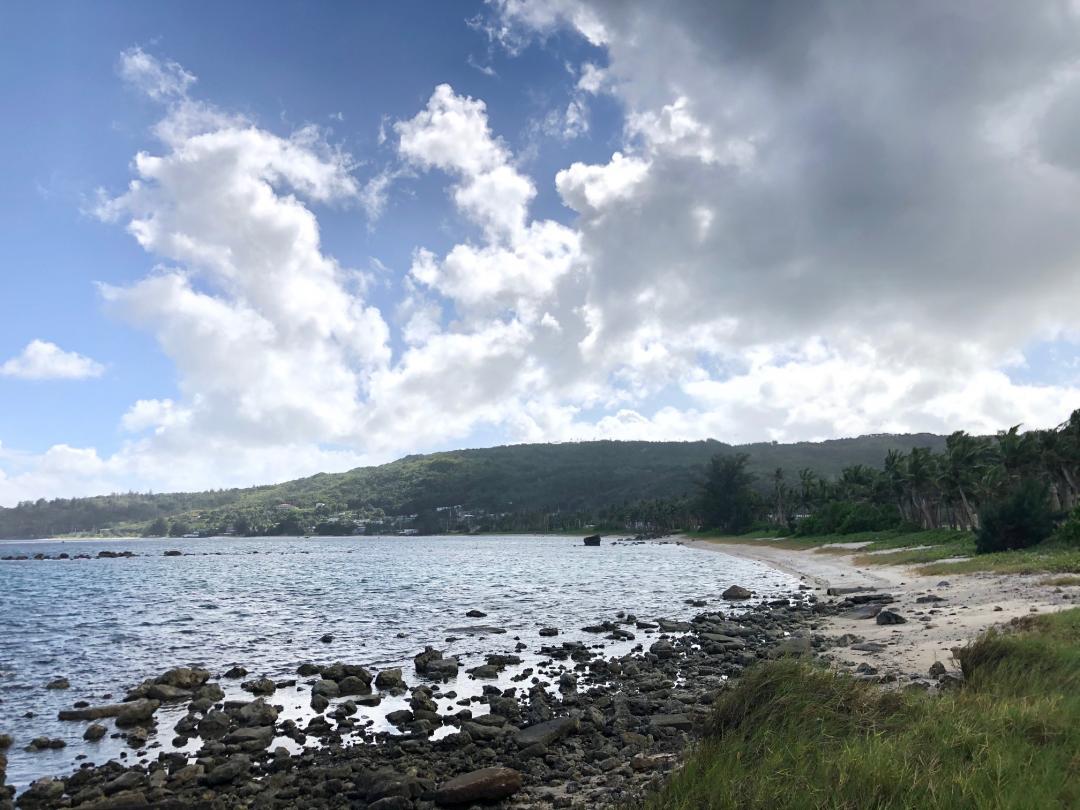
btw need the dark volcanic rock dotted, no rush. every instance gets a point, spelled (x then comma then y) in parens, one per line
(546, 733)
(229, 771)
(484, 785)
(259, 686)
(736, 592)
(95, 732)
(390, 679)
(890, 617)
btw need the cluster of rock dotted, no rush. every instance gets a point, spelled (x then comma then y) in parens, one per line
(63, 555)
(580, 729)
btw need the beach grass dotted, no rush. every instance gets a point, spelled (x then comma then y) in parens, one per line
(796, 735)
(934, 550)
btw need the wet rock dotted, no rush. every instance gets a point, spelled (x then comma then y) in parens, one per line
(325, 688)
(475, 614)
(58, 683)
(214, 726)
(432, 664)
(484, 671)
(390, 679)
(259, 686)
(235, 672)
(548, 632)
(184, 677)
(257, 713)
(136, 712)
(211, 692)
(736, 592)
(173, 553)
(260, 736)
(326, 638)
(353, 685)
(484, 785)
(45, 744)
(6, 741)
(668, 626)
(94, 732)
(93, 712)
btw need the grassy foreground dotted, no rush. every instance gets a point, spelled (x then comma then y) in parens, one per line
(796, 735)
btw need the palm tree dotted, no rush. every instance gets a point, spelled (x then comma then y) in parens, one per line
(807, 479)
(961, 466)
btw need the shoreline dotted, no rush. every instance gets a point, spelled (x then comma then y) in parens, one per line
(624, 701)
(589, 725)
(970, 604)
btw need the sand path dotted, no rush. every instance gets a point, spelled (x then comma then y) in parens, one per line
(972, 603)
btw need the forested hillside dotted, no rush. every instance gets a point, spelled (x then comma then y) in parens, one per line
(581, 478)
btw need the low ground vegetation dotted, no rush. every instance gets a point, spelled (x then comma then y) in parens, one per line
(795, 735)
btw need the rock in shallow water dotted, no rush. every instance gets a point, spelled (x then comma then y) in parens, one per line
(736, 592)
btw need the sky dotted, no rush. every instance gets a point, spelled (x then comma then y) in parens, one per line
(248, 242)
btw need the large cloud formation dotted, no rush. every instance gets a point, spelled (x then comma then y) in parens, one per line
(822, 219)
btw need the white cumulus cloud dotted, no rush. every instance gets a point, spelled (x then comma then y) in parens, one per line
(42, 360)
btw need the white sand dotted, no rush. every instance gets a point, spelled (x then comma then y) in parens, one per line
(932, 630)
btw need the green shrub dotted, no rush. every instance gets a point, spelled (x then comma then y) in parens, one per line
(848, 517)
(1023, 519)
(1068, 533)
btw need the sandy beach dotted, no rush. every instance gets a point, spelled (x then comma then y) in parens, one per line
(971, 603)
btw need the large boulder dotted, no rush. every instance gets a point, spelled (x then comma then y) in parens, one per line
(432, 664)
(326, 688)
(390, 679)
(353, 685)
(257, 713)
(259, 686)
(484, 785)
(136, 713)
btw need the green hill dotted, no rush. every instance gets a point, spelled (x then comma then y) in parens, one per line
(582, 478)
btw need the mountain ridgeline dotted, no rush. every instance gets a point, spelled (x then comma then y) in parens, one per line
(502, 488)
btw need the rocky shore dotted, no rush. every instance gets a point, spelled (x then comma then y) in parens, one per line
(577, 730)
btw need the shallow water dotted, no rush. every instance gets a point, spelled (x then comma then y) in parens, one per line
(264, 603)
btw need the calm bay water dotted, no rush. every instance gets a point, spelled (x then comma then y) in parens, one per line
(264, 603)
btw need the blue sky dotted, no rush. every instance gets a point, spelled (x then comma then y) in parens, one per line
(612, 222)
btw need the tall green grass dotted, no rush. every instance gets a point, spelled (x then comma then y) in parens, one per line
(792, 735)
